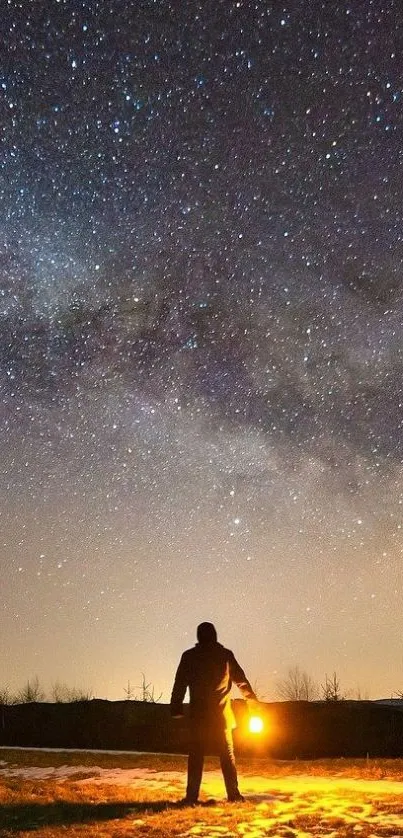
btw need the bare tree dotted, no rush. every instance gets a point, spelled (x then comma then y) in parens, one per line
(30, 692)
(331, 689)
(297, 686)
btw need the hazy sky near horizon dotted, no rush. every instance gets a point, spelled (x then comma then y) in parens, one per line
(201, 310)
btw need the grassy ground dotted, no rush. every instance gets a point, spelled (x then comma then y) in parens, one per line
(359, 768)
(327, 798)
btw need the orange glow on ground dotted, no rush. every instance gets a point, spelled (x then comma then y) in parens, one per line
(328, 805)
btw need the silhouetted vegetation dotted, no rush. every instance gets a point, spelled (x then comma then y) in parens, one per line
(331, 689)
(63, 693)
(33, 692)
(30, 692)
(297, 686)
(147, 691)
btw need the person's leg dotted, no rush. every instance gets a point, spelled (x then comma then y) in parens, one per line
(195, 766)
(228, 767)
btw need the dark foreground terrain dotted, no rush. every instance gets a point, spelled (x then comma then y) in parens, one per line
(293, 730)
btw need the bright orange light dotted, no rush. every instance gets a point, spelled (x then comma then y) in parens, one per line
(255, 724)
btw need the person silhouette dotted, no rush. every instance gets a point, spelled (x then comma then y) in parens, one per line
(208, 671)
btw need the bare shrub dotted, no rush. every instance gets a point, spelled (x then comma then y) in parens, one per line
(6, 696)
(129, 692)
(30, 692)
(147, 692)
(63, 694)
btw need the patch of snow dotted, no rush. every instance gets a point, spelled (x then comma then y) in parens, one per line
(299, 806)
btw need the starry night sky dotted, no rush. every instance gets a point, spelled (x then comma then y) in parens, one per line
(201, 308)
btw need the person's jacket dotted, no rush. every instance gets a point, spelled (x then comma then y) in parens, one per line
(209, 670)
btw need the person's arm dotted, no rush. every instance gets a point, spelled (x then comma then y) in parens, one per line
(239, 678)
(179, 688)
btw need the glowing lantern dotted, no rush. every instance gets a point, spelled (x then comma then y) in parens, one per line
(255, 724)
